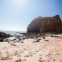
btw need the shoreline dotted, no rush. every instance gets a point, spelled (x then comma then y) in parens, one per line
(45, 48)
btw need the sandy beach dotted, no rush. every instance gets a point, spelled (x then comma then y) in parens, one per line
(48, 49)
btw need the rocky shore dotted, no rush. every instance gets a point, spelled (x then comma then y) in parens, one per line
(32, 47)
(4, 35)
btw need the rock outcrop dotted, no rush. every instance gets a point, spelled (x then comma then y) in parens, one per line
(45, 24)
(3, 36)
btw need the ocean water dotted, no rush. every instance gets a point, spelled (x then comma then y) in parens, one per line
(13, 32)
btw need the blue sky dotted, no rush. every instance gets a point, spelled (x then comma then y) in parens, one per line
(15, 15)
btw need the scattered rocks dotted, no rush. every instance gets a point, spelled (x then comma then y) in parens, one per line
(33, 35)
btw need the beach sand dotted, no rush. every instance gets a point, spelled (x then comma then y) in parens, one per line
(29, 50)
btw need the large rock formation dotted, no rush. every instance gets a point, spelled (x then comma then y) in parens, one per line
(45, 24)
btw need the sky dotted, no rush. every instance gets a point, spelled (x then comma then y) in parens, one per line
(15, 15)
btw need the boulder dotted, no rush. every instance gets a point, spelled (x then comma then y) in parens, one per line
(3, 36)
(45, 24)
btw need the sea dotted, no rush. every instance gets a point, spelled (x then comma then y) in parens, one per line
(13, 32)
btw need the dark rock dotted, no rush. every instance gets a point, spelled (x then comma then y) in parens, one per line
(38, 40)
(45, 24)
(54, 36)
(3, 36)
(22, 42)
(46, 40)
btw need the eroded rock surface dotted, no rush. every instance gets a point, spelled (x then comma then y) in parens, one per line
(45, 24)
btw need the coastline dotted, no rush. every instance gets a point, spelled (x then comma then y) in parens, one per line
(45, 48)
